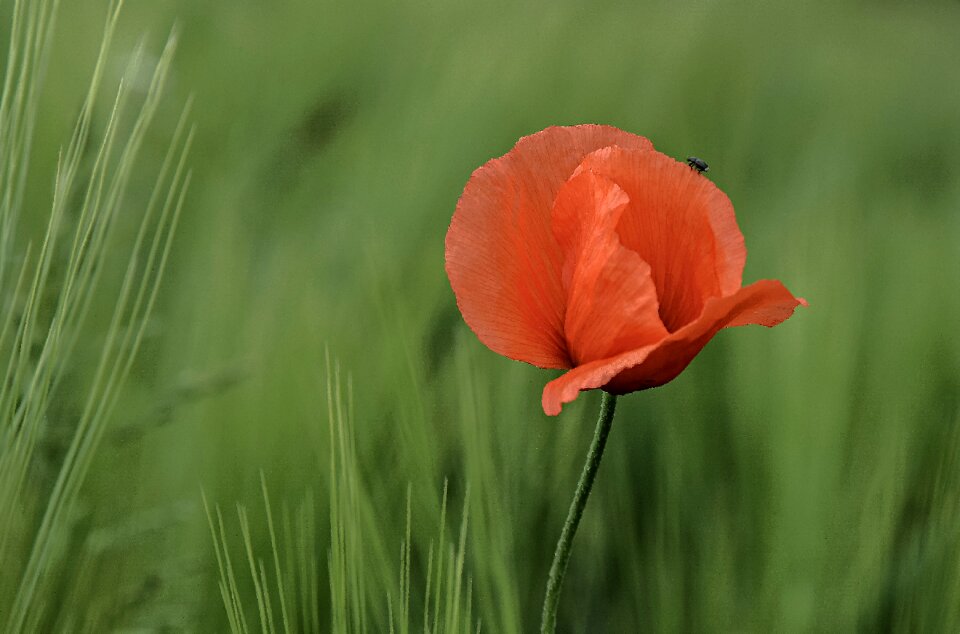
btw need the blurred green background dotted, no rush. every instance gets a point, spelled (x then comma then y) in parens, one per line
(805, 478)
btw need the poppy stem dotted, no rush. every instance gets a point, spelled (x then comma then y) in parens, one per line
(562, 556)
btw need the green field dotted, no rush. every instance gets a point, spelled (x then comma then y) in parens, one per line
(303, 341)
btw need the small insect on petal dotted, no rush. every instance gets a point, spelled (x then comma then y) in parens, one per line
(698, 164)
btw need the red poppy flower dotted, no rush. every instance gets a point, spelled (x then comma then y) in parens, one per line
(585, 248)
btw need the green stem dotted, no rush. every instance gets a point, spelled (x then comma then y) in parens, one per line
(560, 559)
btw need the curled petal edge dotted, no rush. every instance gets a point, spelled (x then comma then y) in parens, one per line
(766, 303)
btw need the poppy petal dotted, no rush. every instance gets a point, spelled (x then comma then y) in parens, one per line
(766, 302)
(681, 224)
(611, 300)
(502, 259)
(589, 376)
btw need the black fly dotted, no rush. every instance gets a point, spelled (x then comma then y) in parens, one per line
(698, 164)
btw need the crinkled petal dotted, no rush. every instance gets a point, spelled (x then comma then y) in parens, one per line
(766, 302)
(502, 259)
(681, 224)
(611, 299)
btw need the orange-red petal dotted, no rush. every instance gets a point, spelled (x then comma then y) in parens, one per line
(611, 299)
(681, 224)
(766, 302)
(502, 259)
